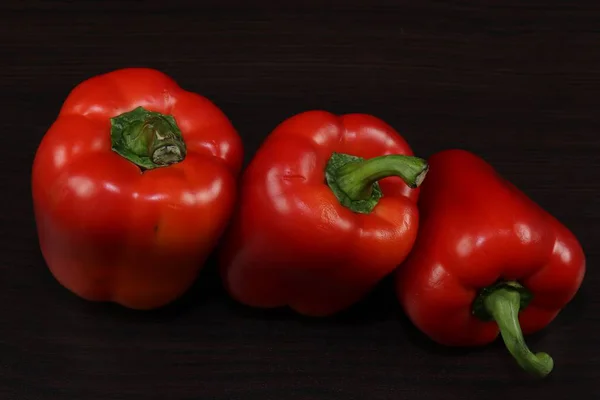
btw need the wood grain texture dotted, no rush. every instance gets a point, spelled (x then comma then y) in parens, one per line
(516, 82)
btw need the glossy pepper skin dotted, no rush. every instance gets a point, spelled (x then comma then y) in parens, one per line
(487, 260)
(132, 186)
(292, 241)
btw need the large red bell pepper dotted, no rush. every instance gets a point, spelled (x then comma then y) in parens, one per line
(487, 260)
(314, 230)
(132, 186)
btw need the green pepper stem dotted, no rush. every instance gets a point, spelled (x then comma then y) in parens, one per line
(353, 180)
(503, 306)
(357, 179)
(148, 139)
(162, 145)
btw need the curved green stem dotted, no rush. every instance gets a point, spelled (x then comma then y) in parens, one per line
(148, 139)
(354, 180)
(503, 306)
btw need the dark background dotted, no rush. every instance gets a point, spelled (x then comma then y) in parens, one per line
(516, 82)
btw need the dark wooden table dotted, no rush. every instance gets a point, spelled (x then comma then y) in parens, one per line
(516, 82)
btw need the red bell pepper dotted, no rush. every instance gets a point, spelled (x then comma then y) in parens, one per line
(487, 260)
(314, 230)
(132, 186)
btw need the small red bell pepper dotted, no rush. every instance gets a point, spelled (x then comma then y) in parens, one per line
(487, 260)
(132, 186)
(327, 208)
